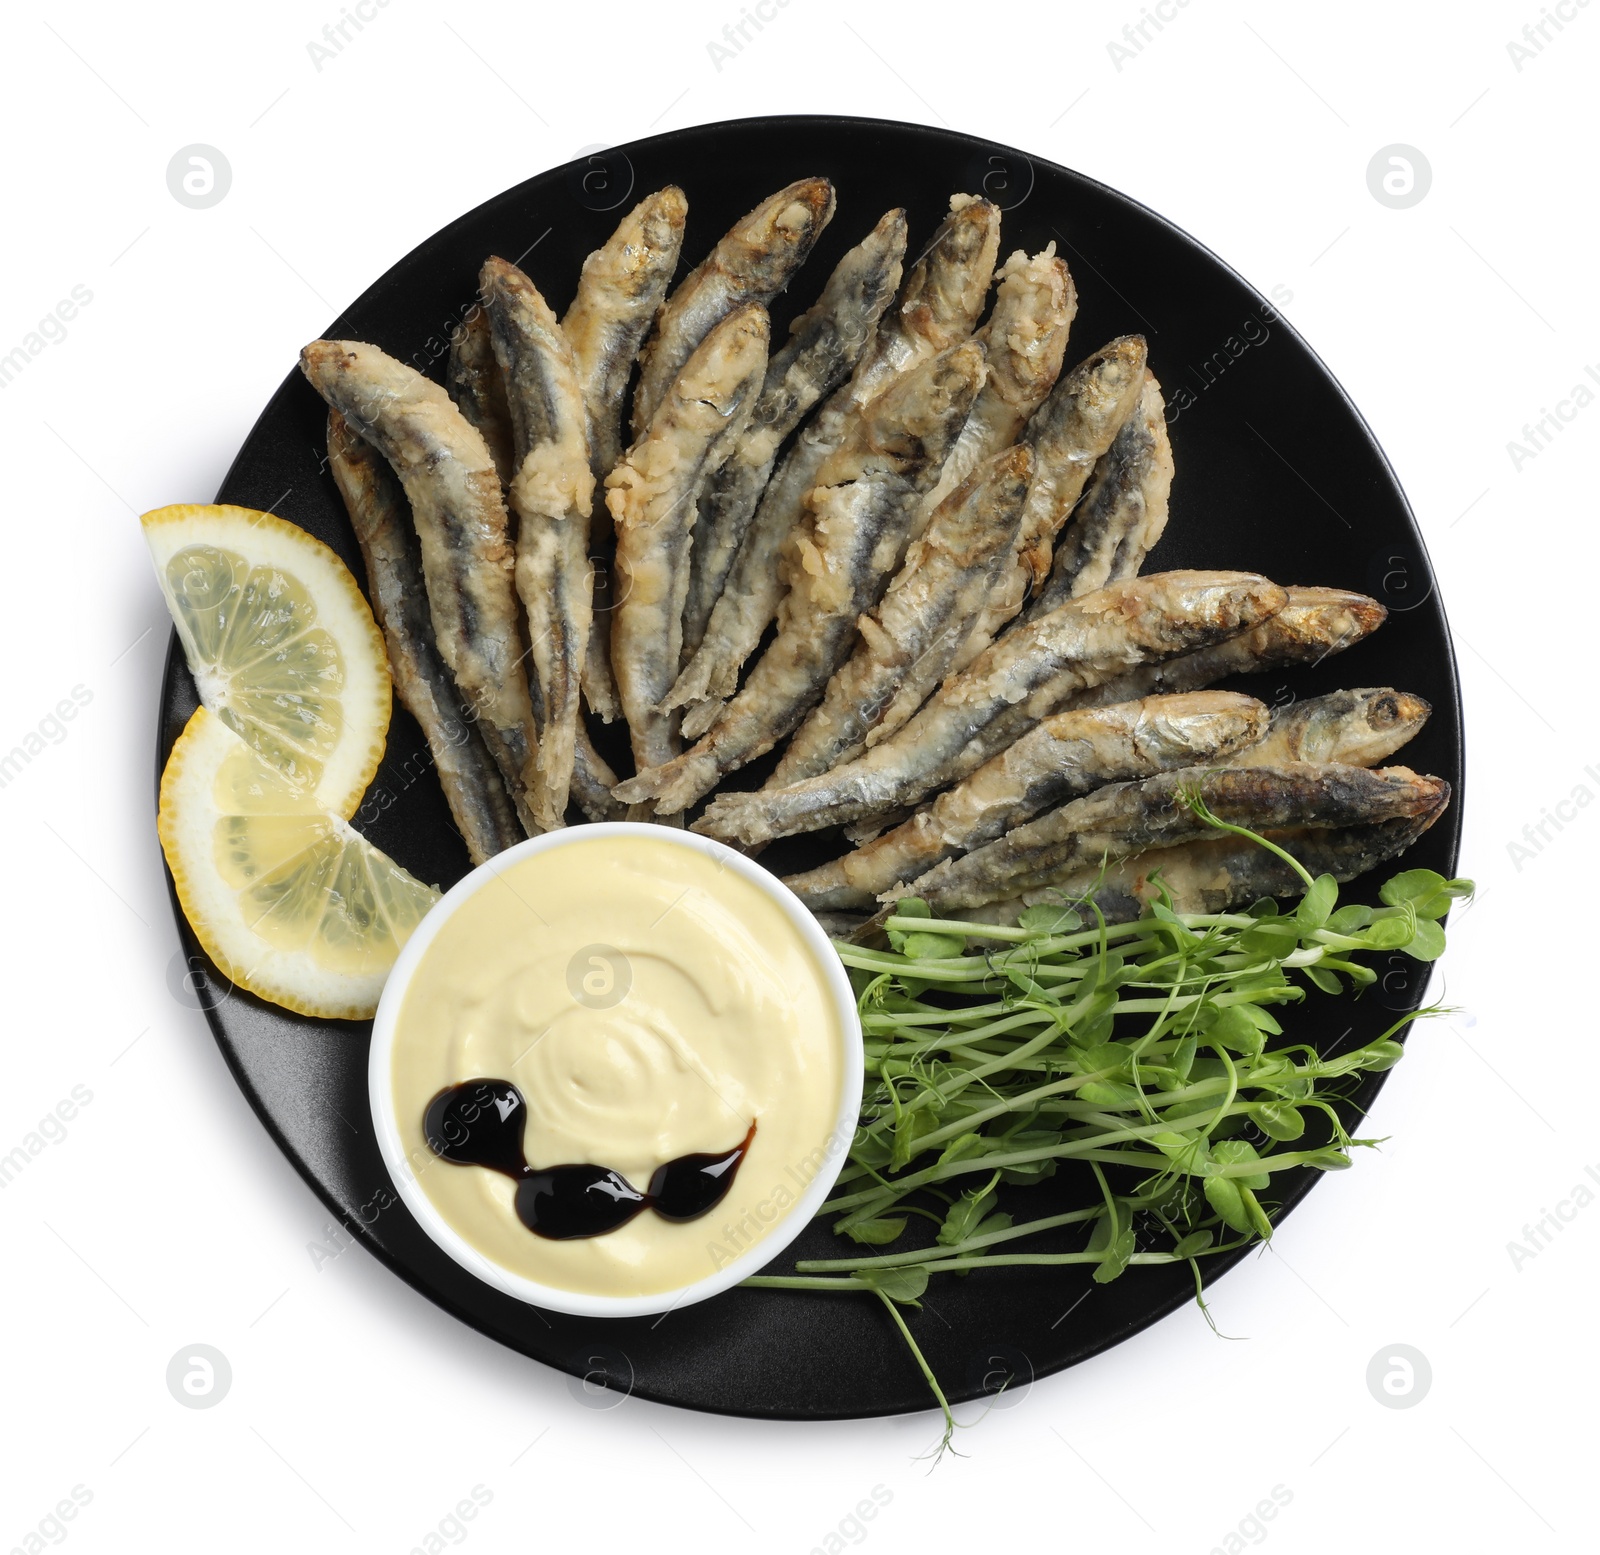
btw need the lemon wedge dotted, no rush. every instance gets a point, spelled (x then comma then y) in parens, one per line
(286, 898)
(281, 644)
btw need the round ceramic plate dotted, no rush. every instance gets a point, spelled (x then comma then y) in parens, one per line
(1276, 472)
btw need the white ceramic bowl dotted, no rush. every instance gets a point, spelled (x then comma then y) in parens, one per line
(380, 1091)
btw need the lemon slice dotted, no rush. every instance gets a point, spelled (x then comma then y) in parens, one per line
(281, 643)
(286, 898)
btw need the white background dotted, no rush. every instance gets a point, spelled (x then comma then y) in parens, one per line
(359, 1414)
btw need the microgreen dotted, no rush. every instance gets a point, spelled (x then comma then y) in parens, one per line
(1143, 1057)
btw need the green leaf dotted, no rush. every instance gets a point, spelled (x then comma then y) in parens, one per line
(932, 947)
(1195, 1242)
(962, 1147)
(1117, 1254)
(1389, 934)
(1182, 1060)
(1235, 1152)
(1232, 1028)
(1430, 894)
(1349, 919)
(1327, 981)
(999, 1221)
(1278, 1121)
(1259, 1223)
(1109, 1093)
(1329, 1160)
(874, 1233)
(904, 1284)
(1317, 904)
(1429, 942)
(1223, 1195)
(964, 1215)
(1379, 1055)
(1045, 919)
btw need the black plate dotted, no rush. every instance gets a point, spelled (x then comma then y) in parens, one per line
(1276, 473)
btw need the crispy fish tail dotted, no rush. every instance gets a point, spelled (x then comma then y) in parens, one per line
(377, 506)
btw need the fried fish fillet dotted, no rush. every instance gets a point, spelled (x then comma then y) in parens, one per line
(1219, 874)
(467, 556)
(753, 262)
(1314, 623)
(1124, 819)
(1124, 511)
(1069, 433)
(938, 307)
(1035, 302)
(652, 494)
(377, 507)
(1024, 677)
(1065, 756)
(824, 344)
(619, 293)
(837, 565)
(909, 638)
(551, 493)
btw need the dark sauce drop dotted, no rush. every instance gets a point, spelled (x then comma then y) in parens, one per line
(481, 1122)
(572, 1201)
(694, 1185)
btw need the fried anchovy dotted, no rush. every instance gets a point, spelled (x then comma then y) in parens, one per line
(1123, 513)
(1069, 434)
(377, 506)
(1064, 757)
(475, 383)
(1359, 728)
(1026, 338)
(824, 344)
(652, 495)
(551, 494)
(619, 293)
(837, 565)
(753, 262)
(467, 556)
(1124, 819)
(938, 306)
(1219, 874)
(1314, 623)
(907, 641)
(1026, 676)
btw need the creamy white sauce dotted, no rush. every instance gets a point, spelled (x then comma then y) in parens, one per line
(649, 1003)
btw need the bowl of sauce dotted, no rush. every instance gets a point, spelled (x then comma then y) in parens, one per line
(616, 1069)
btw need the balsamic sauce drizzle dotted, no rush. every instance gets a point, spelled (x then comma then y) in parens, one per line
(480, 1123)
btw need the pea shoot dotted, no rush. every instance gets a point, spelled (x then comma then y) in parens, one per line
(1148, 1052)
